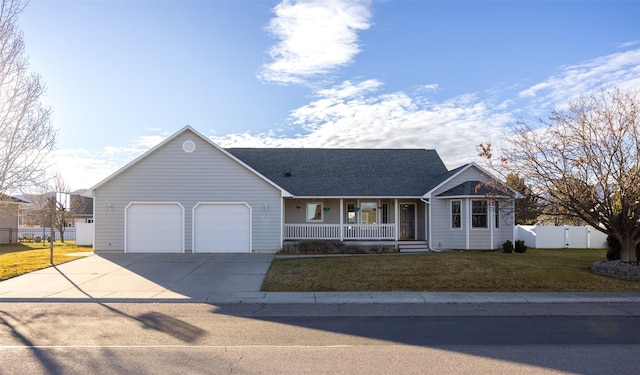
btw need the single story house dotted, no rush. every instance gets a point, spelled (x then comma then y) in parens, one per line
(189, 195)
(9, 217)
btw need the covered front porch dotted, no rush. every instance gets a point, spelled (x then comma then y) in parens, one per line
(355, 219)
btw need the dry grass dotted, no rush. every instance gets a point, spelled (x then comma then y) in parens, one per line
(21, 258)
(537, 270)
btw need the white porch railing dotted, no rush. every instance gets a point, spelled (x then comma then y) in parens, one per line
(332, 231)
(369, 232)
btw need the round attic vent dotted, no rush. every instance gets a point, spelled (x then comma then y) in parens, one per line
(188, 146)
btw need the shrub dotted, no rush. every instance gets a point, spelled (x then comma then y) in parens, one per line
(333, 247)
(520, 247)
(507, 247)
(613, 248)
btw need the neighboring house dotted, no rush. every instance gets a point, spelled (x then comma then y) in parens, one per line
(9, 217)
(37, 214)
(187, 194)
(81, 209)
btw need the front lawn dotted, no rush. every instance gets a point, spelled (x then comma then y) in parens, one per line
(21, 258)
(551, 270)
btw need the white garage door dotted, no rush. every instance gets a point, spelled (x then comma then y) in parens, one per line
(222, 228)
(154, 228)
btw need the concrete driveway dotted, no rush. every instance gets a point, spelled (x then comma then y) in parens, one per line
(227, 278)
(135, 277)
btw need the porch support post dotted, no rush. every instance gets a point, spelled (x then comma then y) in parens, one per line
(282, 220)
(341, 219)
(468, 226)
(397, 219)
(426, 222)
(491, 221)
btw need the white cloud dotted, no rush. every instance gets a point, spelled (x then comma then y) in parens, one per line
(362, 115)
(619, 69)
(357, 115)
(315, 37)
(82, 169)
(630, 43)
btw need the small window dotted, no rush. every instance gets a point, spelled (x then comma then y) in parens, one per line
(368, 213)
(351, 213)
(497, 215)
(314, 211)
(479, 214)
(456, 216)
(384, 213)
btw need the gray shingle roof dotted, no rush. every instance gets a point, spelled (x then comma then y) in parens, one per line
(472, 188)
(10, 199)
(347, 172)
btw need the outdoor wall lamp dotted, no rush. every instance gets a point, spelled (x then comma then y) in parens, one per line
(109, 206)
(266, 207)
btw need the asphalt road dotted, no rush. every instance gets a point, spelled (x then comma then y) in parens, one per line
(80, 338)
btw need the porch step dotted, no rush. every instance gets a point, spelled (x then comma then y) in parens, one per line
(413, 247)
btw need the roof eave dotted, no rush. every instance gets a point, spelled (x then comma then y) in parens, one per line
(429, 194)
(355, 196)
(464, 196)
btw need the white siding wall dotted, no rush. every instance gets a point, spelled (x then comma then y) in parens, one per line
(500, 236)
(295, 215)
(171, 174)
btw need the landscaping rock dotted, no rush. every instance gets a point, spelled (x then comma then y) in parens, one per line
(617, 269)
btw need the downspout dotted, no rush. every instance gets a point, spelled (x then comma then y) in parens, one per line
(428, 203)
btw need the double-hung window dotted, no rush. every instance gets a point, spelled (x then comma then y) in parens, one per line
(368, 213)
(456, 215)
(479, 214)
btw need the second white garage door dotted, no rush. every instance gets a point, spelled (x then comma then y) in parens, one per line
(222, 228)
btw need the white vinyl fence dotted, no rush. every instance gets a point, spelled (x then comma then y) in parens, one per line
(45, 233)
(84, 234)
(572, 237)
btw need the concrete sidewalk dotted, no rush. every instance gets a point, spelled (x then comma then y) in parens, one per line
(221, 279)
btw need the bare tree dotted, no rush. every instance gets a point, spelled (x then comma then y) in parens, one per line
(26, 134)
(526, 209)
(585, 160)
(62, 212)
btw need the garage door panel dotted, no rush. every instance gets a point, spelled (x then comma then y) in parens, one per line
(224, 228)
(154, 228)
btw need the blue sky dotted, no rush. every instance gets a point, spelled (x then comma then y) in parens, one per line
(124, 75)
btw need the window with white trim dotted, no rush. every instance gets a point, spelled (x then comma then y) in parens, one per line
(479, 214)
(456, 214)
(368, 213)
(314, 211)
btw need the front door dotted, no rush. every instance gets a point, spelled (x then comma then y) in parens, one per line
(407, 221)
